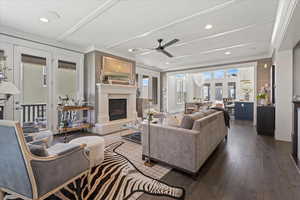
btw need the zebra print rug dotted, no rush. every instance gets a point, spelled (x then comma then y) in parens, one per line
(115, 179)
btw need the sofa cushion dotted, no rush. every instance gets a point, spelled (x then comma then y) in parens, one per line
(208, 111)
(197, 115)
(187, 121)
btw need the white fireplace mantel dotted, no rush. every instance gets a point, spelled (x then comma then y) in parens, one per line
(114, 91)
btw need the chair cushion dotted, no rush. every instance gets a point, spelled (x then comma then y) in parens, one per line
(62, 148)
(38, 150)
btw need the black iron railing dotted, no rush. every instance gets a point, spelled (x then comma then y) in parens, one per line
(32, 112)
(1, 112)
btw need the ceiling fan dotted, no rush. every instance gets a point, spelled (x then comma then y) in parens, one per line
(160, 48)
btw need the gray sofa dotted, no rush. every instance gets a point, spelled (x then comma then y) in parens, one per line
(186, 147)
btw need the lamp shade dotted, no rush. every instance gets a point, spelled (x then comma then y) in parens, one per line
(8, 88)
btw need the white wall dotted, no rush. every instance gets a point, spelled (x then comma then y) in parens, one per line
(150, 73)
(283, 94)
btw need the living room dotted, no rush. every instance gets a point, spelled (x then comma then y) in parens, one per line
(137, 99)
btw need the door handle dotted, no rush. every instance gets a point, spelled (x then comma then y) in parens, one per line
(18, 108)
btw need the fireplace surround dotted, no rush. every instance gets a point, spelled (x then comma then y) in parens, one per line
(111, 93)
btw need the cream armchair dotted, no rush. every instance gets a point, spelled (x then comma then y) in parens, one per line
(29, 176)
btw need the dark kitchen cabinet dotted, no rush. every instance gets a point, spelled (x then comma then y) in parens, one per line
(243, 110)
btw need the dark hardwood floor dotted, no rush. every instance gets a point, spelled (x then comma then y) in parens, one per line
(246, 167)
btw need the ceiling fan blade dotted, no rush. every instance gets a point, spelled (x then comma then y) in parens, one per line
(147, 52)
(140, 49)
(170, 43)
(166, 53)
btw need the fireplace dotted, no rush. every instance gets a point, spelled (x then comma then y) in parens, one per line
(117, 109)
(112, 100)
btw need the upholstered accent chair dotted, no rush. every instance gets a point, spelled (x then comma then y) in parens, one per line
(32, 177)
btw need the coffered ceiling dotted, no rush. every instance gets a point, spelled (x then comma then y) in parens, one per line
(241, 27)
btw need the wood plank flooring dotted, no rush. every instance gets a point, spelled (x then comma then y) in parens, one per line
(246, 167)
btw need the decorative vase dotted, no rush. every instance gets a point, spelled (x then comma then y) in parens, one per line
(263, 102)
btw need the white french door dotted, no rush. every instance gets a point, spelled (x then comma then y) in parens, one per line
(33, 74)
(67, 78)
(6, 108)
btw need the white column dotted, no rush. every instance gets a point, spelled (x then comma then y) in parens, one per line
(284, 93)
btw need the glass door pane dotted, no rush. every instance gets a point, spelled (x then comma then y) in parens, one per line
(66, 80)
(67, 90)
(33, 77)
(35, 90)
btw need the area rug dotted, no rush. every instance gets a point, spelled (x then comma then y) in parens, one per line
(115, 179)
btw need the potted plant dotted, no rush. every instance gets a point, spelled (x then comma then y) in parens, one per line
(262, 98)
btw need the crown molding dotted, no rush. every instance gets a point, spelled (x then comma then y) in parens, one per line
(19, 35)
(284, 15)
(90, 17)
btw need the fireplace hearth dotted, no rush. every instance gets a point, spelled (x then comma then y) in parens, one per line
(117, 109)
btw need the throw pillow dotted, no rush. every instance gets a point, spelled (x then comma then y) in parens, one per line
(187, 122)
(38, 150)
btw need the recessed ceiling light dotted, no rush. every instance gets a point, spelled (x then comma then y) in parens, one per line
(43, 19)
(130, 50)
(208, 26)
(266, 66)
(227, 53)
(167, 63)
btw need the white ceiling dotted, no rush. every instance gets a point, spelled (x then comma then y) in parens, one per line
(243, 27)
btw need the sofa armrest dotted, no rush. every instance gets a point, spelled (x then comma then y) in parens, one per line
(175, 146)
(62, 148)
(52, 172)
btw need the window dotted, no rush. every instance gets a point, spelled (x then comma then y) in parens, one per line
(145, 82)
(180, 88)
(137, 79)
(207, 76)
(34, 80)
(66, 79)
(154, 90)
(206, 92)
(232, 90)
(219, 91)
(44, 78)
(231, 73)
(219, 74)
(145, 90)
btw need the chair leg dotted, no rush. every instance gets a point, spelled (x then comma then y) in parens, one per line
(1, 195)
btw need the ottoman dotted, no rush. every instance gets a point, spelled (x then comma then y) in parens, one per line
(95, 148)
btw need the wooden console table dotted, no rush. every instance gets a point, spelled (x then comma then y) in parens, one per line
(80, 126)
